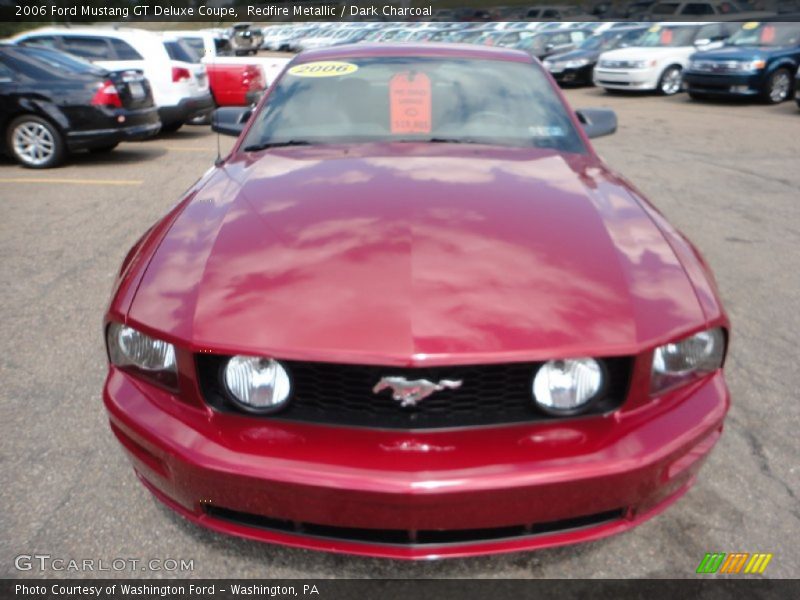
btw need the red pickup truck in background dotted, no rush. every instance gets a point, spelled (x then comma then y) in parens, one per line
(234, 80)
(235, 84)
(232, 83)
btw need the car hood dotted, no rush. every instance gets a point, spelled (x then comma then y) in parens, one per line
(642, 53)
(737, 53)
(574, 55)
(407, 253)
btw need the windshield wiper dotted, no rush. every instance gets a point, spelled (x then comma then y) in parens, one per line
(439, 140)
(264, 146)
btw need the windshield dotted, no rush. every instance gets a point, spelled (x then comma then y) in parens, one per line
(667, 37)
(610, 40)
(766, 34)
(180, 50)
(196, 44)
(415, 99)
(534, 42)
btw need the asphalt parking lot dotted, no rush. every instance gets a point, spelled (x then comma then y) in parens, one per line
(727, 175)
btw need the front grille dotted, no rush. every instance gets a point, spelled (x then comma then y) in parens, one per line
(712, 66)
(403, 537)
(619, 64)
(341, 394)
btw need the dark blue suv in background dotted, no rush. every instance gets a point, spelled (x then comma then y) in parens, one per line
(760, 61)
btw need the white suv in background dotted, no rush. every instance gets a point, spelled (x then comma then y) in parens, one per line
(180, 89)
(657, 60)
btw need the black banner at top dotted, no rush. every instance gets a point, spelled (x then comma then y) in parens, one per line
(232, 11)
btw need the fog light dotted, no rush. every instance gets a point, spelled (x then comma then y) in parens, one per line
(257, 384)
(566, 387)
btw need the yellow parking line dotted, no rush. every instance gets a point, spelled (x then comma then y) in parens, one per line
(59, 180)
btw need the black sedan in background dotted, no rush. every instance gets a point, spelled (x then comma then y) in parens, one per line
(541, 45)
(575, 67)
(52, 104)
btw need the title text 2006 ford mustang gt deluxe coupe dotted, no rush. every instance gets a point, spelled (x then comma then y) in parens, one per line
(413, 315)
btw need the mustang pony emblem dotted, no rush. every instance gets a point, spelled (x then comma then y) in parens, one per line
(409, 393)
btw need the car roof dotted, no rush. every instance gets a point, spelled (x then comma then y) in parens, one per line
(412, 49)
(121, 32)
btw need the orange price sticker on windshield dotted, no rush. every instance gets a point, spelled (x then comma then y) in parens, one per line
(666, 36)
(768, 34)
(410, 103)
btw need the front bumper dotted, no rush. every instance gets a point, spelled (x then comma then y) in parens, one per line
(574, 76)
(626, 79)
(417, 495)
(196, 107)
(723, 85)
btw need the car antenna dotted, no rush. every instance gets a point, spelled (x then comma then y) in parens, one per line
(218, 162)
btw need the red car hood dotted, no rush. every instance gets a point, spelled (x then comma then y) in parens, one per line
(404, 254)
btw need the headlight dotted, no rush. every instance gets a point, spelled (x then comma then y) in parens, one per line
(751, 66)
(702, 65)
(642, 64)
(128, 347)
(257, 384)
(575, 64)
(680, 362)
(565, 387)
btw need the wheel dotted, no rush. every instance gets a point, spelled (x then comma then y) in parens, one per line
(171, 127)
(35, 142)
(106, 148)
(778, 86)
(671, 81)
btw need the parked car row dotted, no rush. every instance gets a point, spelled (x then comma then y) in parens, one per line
(68, 89)
(726, 58)
(52, 104)
(708, 60)
(180, 88)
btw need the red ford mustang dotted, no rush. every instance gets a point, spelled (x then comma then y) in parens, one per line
(413, 315)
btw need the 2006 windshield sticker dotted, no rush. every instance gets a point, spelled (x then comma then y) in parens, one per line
(325, 68)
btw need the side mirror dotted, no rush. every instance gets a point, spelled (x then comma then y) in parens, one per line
(230, 120)
(597, 122)
(549, 47)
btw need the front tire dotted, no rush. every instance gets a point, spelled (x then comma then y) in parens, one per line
(671, 81)
(778, 87)
(35, 143)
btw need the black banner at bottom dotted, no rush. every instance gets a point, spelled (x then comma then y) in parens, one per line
(362, 589)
